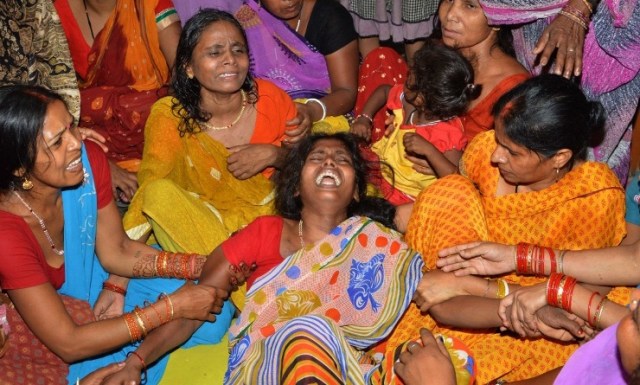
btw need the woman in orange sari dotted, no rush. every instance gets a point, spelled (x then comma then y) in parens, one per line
(522, 183)
(123, 51)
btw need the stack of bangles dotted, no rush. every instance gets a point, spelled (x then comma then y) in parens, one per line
(141, 321)
(178, 265)
(322, 105)
(577, 16)
(532, 260)
(560, 294)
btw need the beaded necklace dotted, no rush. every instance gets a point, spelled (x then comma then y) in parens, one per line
(41, 223)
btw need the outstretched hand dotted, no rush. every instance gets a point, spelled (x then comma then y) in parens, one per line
(478, 258)
(428, 363)
(565, 37)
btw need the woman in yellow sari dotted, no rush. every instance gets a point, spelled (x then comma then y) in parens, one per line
(527, 181)
(209, 152)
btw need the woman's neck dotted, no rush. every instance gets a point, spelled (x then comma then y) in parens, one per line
(221, 106)
(39, 201)
(101, 7)
(316, 226)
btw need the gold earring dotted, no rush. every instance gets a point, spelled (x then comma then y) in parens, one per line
(496, 29)
(190, 76)
(27, 184)
(557, 174)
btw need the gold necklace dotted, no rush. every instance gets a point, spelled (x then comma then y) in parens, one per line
(204, 126)
(41, 223)
(300, 234)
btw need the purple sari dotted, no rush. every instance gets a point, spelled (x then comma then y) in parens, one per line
(277, 52)
(596, 362)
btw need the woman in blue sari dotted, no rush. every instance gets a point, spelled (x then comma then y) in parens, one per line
(60, 237)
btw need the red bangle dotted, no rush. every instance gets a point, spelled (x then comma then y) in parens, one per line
(553, 263)
(114, 288)
(143, 375)
(553, 286)
(589, 306)
(567, 294)
(521, 257)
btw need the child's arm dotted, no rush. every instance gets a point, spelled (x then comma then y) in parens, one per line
(363, 123)
(442, 164)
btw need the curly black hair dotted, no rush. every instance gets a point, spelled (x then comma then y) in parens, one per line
(444, 79)
(287, 181)
(186, 91)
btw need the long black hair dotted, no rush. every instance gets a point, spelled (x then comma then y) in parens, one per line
(23, 110)
(288, 202)
(187, 91)
(547, 113)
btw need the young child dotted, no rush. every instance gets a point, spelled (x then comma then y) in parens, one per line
(425, 124)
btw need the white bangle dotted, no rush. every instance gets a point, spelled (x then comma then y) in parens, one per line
(322, 105)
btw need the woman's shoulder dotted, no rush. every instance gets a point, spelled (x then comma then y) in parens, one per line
(597, 173)
(267, 87)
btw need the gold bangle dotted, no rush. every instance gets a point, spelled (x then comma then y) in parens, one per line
(503, 288)
(140, 322)
(589, 7)
(561, 261)
(600, 311)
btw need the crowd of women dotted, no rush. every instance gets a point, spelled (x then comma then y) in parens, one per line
(303, 205)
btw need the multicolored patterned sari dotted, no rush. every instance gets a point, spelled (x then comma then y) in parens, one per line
(343, 294)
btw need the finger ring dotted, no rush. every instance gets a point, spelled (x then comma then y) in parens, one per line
(570, 50)
(411, 346)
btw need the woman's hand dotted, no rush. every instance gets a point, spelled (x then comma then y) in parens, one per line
(566, 38)
(305, 113)
(108, 305)
(94, 136)
(560, 325)
(477, 258)
(130, 374)
(97, 377)
(298, 127)
(247, 160)
(123, 183)
(518, 310)
(427, 363)
(198, 301)
(436, 287)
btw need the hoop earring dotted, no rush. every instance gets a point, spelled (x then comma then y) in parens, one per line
(27, 184)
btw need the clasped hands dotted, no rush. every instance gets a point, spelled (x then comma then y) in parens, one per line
(524, 311)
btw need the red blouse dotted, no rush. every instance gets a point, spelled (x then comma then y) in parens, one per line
(22, 261)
